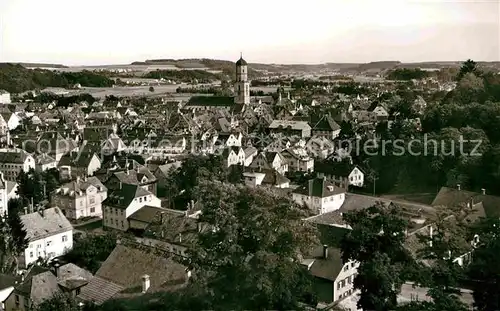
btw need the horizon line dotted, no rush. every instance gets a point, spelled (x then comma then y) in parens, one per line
(256, 63)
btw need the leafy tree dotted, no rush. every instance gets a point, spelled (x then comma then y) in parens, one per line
(448, 241)
(484, 270)
(63, 302)
(12, 238)
(90, 251)
(469, 66)
(250, 260)
(376, 242)
(195, 169)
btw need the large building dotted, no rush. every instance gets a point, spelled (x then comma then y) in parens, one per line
(237, 103)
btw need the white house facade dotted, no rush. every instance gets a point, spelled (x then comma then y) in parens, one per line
(49, 233)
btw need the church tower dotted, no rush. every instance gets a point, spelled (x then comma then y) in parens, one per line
(242, 86)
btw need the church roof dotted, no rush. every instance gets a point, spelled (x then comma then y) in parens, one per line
(241, 62)
(215, 101)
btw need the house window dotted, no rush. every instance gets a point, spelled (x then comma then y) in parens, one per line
(17, 299)
(92, 200)
(140, 200)
(77, 291)
(92, 209)
(122, 224)
(64, 238)
(48, 243)
(31, 254)
(338, 285)
(346, 267)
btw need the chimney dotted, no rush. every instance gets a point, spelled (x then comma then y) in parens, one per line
(145, 283)
(191, 205)
(325, 251)
(121, 185)
(56, 269)
(180, 237)
(483, 191)
(458, 187)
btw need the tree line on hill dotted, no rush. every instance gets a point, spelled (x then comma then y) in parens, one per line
(18, 79)
(186, 76)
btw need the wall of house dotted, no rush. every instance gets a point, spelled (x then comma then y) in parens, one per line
(94, 165)
(48, 247)
(116, 218)
(234, 141)
(5, 98)
(3, 201)
(17, 302)
(344, 283)
(170, 247)
(87, 205)
(11, 170)
(320, 205)
(235, 159)
(356, 178)
(324, 290)
(13, 122)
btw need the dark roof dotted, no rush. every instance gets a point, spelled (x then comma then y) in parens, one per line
(7, 281)
(123, 197)
(319, 187)
(326, 123)
(45, 223)
(173, 227)
(121, 274)
(452, 197)
(146, 214)
(326, 268)
(213, 101)
(333, 168)
(17, 156)
(76, 159)
(241, 62)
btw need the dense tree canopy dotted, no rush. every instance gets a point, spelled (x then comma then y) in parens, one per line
(376, 242)
(18, 79)
(250, 260)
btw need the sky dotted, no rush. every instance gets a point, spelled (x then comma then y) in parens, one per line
(98, 32)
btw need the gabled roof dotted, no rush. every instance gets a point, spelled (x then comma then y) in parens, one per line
(41, 284)
(45, 223)
(77, 159)
(452, 197)
(16, 156)
(326, 123)
(319, 187)
(122, 198)
(326, 268)
(121, 274)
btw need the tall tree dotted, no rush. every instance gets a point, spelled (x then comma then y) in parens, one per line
(250, 258)
(469, 66)
(485, 267)
(376, 242)
(12, 238)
